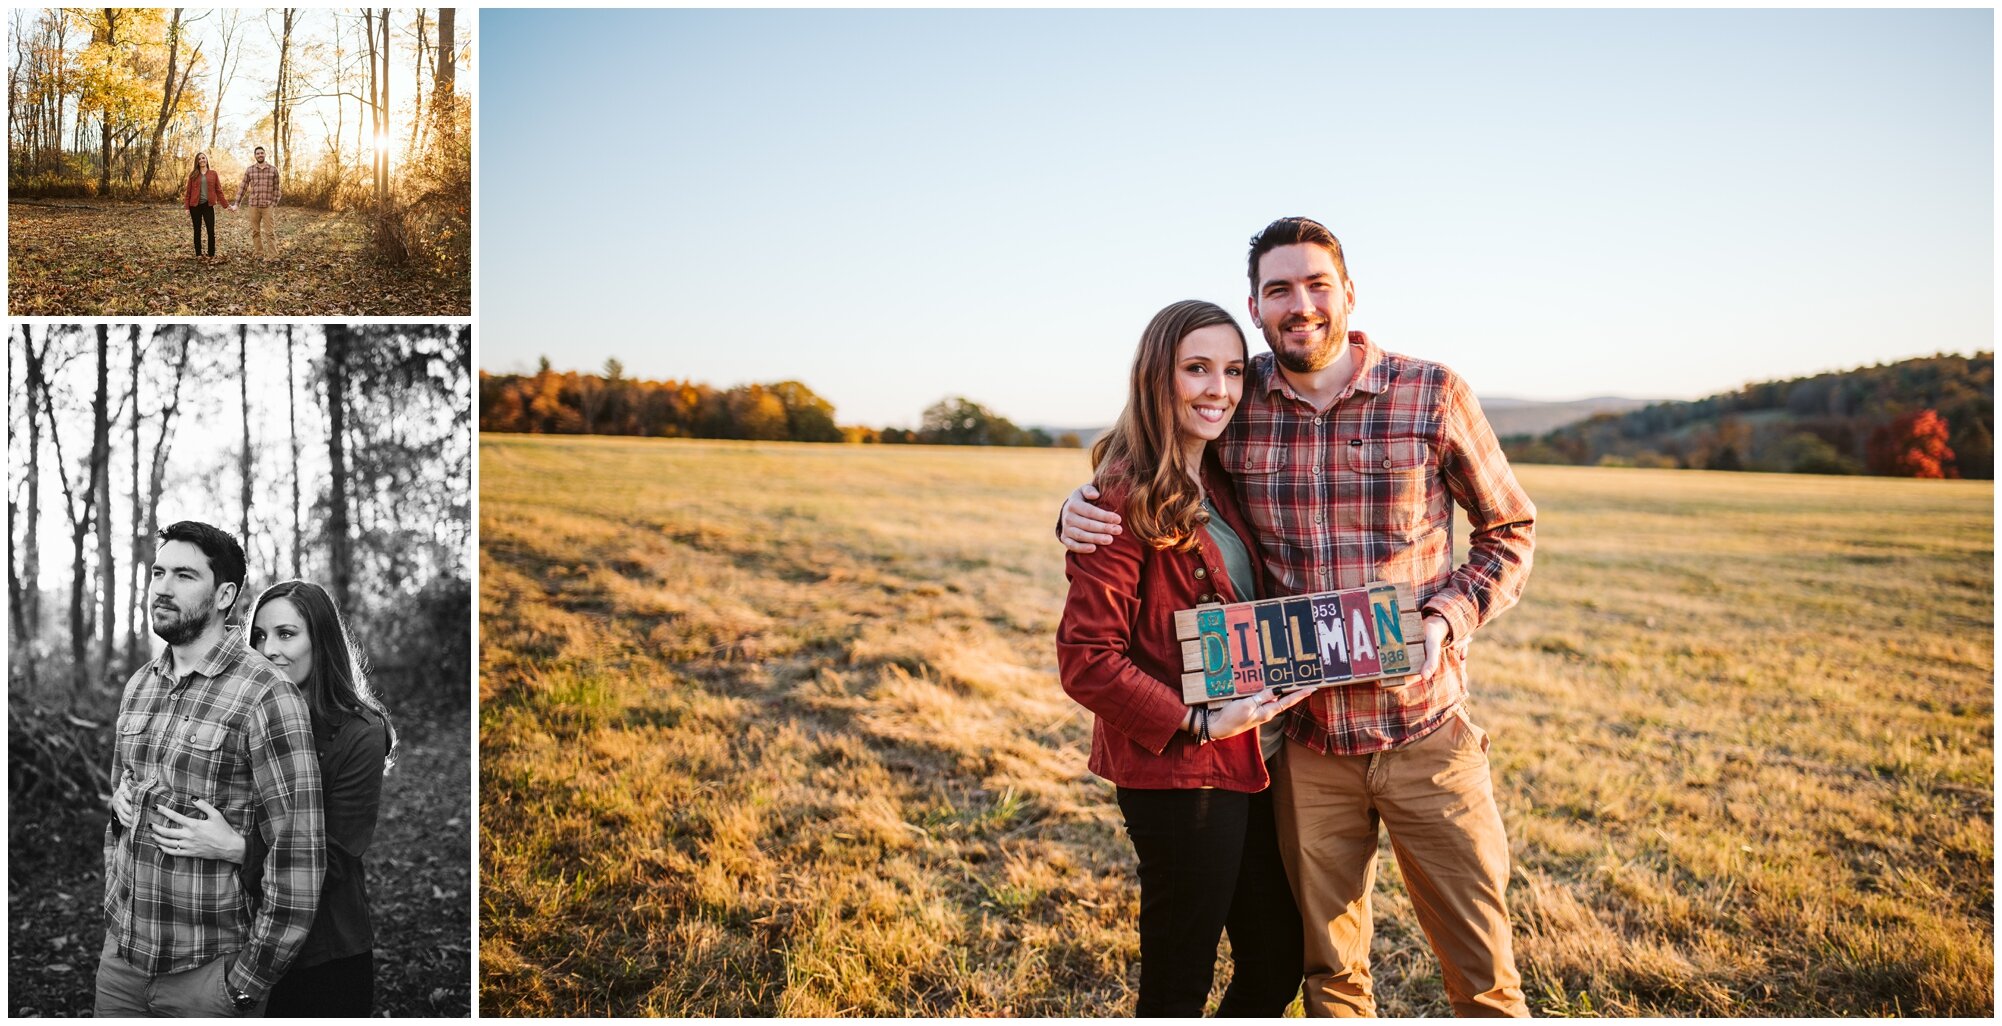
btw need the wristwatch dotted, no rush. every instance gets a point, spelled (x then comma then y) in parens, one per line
(241, 999)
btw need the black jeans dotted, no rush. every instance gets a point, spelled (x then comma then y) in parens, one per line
(203, 214)
(343, 987)
(1209, 862)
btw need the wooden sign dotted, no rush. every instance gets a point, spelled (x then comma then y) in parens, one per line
(1305, 641)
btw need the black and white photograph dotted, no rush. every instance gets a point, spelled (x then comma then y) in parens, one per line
(240, 641)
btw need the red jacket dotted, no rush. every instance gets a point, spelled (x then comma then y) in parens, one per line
(1118, 656)
(215, 191)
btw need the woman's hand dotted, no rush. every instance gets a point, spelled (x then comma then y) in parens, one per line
(210, 838)
(1242, 714)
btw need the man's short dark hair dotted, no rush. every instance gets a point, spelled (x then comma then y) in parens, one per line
(225, 555)
(1292, 231)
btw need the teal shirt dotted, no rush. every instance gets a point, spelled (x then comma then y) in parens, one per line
(1237, 563)
(1236, 558)
(205, 187)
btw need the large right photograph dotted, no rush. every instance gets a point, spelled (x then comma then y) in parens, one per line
(1278, 513)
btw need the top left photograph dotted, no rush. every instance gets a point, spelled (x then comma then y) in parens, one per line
(280, 162)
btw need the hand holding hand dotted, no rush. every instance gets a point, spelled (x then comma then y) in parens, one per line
(1085, 526)
(210, 838)
(1251, 712)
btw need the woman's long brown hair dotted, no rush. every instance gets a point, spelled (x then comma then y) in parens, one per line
(338, 685)
(201, 164)
(1143, 451)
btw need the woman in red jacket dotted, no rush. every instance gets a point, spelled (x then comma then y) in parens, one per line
(203, 192)
(1192, 781)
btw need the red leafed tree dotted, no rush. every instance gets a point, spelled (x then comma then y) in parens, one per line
(1913, 445)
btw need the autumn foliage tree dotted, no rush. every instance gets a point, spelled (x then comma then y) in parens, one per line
(1824, 423)
(1913, 445)
(556, 402)
(569, 402)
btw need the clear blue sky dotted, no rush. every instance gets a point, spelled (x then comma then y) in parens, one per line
(894, 206)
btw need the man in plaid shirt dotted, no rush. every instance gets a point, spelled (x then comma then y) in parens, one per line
(208, 729)
(260, 190)
(1348, 461)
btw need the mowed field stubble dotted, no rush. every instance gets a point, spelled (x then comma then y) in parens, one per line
(776, 729)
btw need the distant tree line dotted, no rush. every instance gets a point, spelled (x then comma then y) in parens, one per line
(556, 402)
(1926, 417)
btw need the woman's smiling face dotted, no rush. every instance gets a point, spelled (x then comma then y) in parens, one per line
(279, 634)
(1209, 378)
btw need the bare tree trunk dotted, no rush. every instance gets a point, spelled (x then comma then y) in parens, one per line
(417, 112)
(135, 605)
(374, 113)
(340, 104)
(281, 156)
(31, 547)
(158, 476)
(80, 517)
(169, 97)
(13, 76)
(379, 75)
(111, 16)
(107, 569)
(341, 571)
(224, 72)
(243, 390)
(16, 604)
(97, 508)
(62, 89)
(363, 108)
(444, 78)
(292, 420)
(385, 110)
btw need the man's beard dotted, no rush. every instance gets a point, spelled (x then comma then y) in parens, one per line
(188, 626)
(1312, 356)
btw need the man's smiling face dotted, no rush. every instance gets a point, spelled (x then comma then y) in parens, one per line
(1302, 305)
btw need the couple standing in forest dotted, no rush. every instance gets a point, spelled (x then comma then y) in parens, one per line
(247, 768)
(259, 190)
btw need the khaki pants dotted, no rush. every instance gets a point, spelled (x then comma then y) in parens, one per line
(124, 991)
(1435, 797)
(260, 232)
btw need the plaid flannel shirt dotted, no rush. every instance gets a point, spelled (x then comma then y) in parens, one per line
(1360, 492)
(234, 732)
(260, 183)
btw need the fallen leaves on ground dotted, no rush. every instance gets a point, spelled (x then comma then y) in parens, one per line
(101, 259)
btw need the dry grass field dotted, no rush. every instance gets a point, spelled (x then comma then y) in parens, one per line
(773, 729)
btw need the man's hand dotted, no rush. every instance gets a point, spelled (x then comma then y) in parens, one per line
(121, 802)
(1085, 526)
(1436, 629)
